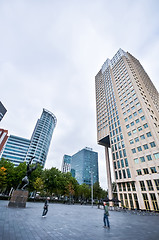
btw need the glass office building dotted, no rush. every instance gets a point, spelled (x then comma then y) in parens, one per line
(66, 163)
(127, 107)
(3, 111)
(20, 149)
(84, 166)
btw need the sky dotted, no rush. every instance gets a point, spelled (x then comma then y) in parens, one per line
(50, 53)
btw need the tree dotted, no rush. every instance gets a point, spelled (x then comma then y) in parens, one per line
(3, 178)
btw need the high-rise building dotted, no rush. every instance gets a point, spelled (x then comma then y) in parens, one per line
(19, 149)
(84, 166)
(66, 164)
(127, 106)
(16, 149)
(3, 111)
(3, 138)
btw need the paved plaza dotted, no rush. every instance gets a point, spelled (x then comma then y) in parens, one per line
(73, 222)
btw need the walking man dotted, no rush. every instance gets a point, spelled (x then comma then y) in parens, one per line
(106, 214)
(46, 204)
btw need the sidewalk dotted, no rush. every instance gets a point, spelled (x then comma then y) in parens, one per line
(73, 222)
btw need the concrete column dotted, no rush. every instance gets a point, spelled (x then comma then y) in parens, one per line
(109, 180)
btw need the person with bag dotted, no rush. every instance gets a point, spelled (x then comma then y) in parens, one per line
(106, 214)
(46, 207)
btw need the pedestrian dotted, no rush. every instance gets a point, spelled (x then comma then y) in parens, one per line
(106, 214)
(45, 207)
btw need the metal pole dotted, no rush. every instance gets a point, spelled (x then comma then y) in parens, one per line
(92, 186)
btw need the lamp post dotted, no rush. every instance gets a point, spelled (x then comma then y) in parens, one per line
(92, 186)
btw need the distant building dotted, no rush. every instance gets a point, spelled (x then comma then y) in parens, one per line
(16, 149)
(66, 164)
(19, 149)
(3, 111)
(3, 138)
(84, 166)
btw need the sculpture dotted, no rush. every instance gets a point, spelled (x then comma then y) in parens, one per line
(25, 180)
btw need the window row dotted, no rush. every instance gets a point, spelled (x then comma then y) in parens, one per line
(146, 171)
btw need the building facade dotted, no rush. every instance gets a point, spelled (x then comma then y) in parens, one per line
(3, 138)
(84, 166)
(19, 149)
(3, 111)
(66, 164)
(127, 106)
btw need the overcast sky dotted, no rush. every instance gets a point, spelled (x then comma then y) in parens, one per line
(50, 52)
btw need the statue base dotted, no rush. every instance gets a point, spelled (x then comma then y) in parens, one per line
(18, 199)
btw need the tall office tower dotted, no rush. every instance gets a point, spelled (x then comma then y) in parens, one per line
(3, 111)
(16, 149)
(127, 106)
(66, 164)
(3, 138)
(41, 137)
(19, 149)
(84, 165)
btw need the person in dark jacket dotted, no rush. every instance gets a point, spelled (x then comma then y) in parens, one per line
(46, 204)
(106, 214)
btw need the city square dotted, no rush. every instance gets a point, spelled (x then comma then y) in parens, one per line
(74, 222)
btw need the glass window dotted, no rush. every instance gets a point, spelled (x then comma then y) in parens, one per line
(129, 133)
(146, 171)
(130, 116)
(120, 176)
(139, 149)
(145, 146)
(124, 152)
(118, 163)
(132, 123)
(135, 114)
(142, 185)
(127, 126)
(139, 172)
(136, 139)
(142, 118)
(152, 144)
(142, 159)
(142, 137)
(134, 131)
(149, 134)
(137, 121)
(131, 141)
(122, 163)
(157, 183)
(153, 169)
(124, 174)
(149, 158)
(156, 155)
(133, 150)
(145, 125)
(126, 119)
(136, 160)
(116, 175)
(139, 128)
(140, 110)
(149, 184)
(128, 173)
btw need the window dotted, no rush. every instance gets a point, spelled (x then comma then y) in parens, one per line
(153, 169)
(126, 119)
(145, 125)
(152, 144)
(142, 118)
(127, 126)
(139, 128)
(133, 150)
(142, 185)
(116, 175)
(138, 104)
(128, 186)
(126, 162)
(120, 176)
(134, 131)
(136, 139)
(137, 121)
(139, 172)
(146, 171)
(142, 137)
(156, 155)
(128, 173)
(131, 141)
(145, 146)
(139, 149)
(142, 159)
(130, 117)
(132, 123)
(129, 133)
(154, 201)
(149, 134)
(149, 184)
(140, 110)
(136, 160)
(124, 174)
(135, 114)
(149, 158)
(157, 183)
(122, 163)
(118, 163)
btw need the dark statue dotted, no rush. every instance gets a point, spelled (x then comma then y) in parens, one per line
(25, 180)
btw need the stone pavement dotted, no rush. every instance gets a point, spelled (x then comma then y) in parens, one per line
(73, 222)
